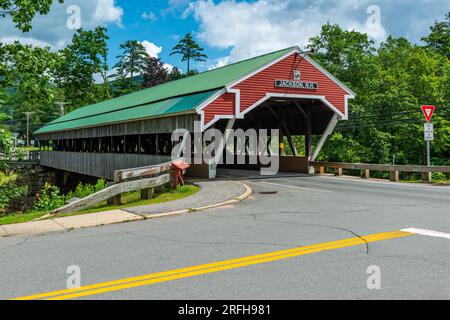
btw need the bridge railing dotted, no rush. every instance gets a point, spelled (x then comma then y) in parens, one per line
(394, 170)
(145, 179)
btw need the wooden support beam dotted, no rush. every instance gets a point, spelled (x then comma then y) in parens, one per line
(300, 108)
(147, 194)
(329, 130)
(308, 135)
(394, 176)
(282, 123)
(321, 170)
(365, 174)
(426, 177)
(338, 172)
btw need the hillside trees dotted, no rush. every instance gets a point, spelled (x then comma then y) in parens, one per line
(77, 66)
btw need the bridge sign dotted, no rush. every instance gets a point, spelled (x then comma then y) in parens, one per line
(428, 112)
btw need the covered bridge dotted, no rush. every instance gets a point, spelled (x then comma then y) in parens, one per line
(284, 90)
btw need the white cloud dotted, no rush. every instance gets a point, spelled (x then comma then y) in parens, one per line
(25, 40)
(168, 67)
(107, 12)
(261, 26)
(150, 16)
(52, 28)
(266, 25)
(221, 62)
(152, 49)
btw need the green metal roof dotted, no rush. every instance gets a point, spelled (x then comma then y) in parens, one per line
(169, 98)
(155, 109)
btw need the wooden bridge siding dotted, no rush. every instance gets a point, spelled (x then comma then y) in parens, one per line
(100, 165)
(150, 126)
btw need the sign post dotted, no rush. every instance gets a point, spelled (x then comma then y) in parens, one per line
(428, 112)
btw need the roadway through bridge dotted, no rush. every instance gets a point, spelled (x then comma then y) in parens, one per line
(315, 238)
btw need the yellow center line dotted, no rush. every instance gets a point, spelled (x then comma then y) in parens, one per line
(171, 275)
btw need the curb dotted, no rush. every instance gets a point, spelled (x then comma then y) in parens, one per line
(139, 217)
(248, 192)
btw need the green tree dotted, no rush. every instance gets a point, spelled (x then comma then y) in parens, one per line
(155, 72)
(6, 144)
(3, 107)
(391, 82)
(22, 12)
(132, 62)
(175, 74)
(346, 54)
(26, 75)
(439, 38)
(78, 63)
(189, 51)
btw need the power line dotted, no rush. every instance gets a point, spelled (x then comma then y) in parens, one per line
(395, 114)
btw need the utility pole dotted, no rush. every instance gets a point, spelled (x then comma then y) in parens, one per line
(61, 106)
(28, 115)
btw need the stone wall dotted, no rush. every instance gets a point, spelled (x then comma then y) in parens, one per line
(34, 176)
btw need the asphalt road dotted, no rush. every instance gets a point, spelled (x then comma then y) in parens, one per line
(305, 211)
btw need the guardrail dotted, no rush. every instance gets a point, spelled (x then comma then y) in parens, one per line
(23, 156)
(393, 170)
(34, 155)
(145, 179)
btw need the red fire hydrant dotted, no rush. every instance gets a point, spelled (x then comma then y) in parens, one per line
(179, 168)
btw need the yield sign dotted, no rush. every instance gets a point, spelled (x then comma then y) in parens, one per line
(428, 112)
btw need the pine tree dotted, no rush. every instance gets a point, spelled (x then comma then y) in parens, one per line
(131, 61)
(189, 50)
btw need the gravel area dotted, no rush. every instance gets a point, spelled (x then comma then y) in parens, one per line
(211, 192)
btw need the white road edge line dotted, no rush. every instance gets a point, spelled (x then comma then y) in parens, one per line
(402, 184)
(294, 187)
(429, 233)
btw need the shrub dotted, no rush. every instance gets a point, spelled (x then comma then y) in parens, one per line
(439, 176)
(84, 190)
(10, 192)
(50, 198)
(100, 185)
(183, 189)
(21, 154)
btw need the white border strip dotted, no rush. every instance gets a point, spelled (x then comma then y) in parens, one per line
(428, 233)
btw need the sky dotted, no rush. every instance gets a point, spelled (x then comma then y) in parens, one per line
(229, 30)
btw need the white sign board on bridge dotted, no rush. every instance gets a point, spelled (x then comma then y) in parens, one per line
(429, 132)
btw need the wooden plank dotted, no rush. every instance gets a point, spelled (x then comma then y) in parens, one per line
(382, 167)
(112, 192)
(143, 171)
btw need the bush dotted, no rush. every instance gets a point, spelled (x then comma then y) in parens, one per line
(439, 176)
(50, 198)
(100, 185)
(21, 154)
(84, 190)
(10, 192)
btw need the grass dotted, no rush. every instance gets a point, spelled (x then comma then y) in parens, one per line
(131, 199)
(20, 217)
(445, 182)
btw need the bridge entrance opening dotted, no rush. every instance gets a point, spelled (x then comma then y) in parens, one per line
(302, 125)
